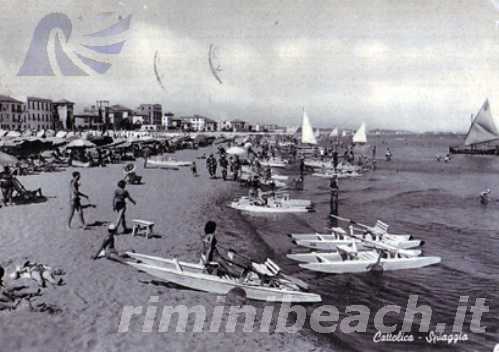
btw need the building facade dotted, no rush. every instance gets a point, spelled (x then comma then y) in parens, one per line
(63, 114)
(12, 113)
(240, 126)
(40, 114)
(199, 123)
(154, 114)
(224, 125)
(91, 120)
(120, 117)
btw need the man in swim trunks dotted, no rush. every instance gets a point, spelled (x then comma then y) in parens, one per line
(75, 200)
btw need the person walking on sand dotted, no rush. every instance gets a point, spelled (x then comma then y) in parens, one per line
(119, 205)
(194, 169)
(75, 200)
(211, 165)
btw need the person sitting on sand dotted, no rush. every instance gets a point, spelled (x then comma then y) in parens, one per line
(119, 205)
(107, 247)
(24, 194)
(75, 200)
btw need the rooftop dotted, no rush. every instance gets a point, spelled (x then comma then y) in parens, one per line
(6, 98)
(38, 98)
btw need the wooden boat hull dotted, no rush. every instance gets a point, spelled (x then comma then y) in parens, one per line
(469, 151)
(191, 275)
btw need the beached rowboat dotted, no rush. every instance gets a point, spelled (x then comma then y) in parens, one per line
(320, 257)
(327, 243)
(167, 163)
(277, 163)
(368, 261)
(275, 205)
(195, 277)
(339, 233)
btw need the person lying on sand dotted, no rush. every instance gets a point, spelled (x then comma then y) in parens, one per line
(41, 273)
(107, 246)
(10, 297)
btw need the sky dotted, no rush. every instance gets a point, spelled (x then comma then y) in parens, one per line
(421, 65)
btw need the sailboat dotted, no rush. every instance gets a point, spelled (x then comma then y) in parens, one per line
(307, 132)
(484, 129)
(334, 133)
(360, 136)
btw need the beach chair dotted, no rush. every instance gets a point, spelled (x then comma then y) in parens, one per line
(268, 268)
(380, 227)
(142, 227)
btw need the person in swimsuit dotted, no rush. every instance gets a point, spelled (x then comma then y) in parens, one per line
(75, 200)
(119, 205)
(108, 245)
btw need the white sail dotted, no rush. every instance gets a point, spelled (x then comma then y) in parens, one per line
(484, 128)
(344, 133)
(307, 133)
(317, 133)
(334, 133)
(360, 134)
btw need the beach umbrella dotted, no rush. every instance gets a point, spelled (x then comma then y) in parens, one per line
(56, 141)
(237, 151)
(41, 133)
(14, 134)
(61, 134)
(7, 159)
(80, 143)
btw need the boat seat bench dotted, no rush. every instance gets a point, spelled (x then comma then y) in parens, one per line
(142, 226)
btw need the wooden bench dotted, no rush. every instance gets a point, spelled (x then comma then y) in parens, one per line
(142, 226)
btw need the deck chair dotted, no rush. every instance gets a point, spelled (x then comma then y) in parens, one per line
(380, 227)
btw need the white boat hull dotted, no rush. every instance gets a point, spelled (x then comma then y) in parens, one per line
(318, 236)
(281, 206)
(363, 266)
(168, 163)
(192, 276)
(320, 257)
(331, 245)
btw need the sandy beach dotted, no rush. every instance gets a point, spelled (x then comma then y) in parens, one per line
(96, 291)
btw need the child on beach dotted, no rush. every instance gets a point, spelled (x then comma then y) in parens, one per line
(119, 205)
(194, 169)
(108, 245)
(75, 201)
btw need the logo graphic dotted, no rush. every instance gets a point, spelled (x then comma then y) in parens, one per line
(58, 27)
(213, 61)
